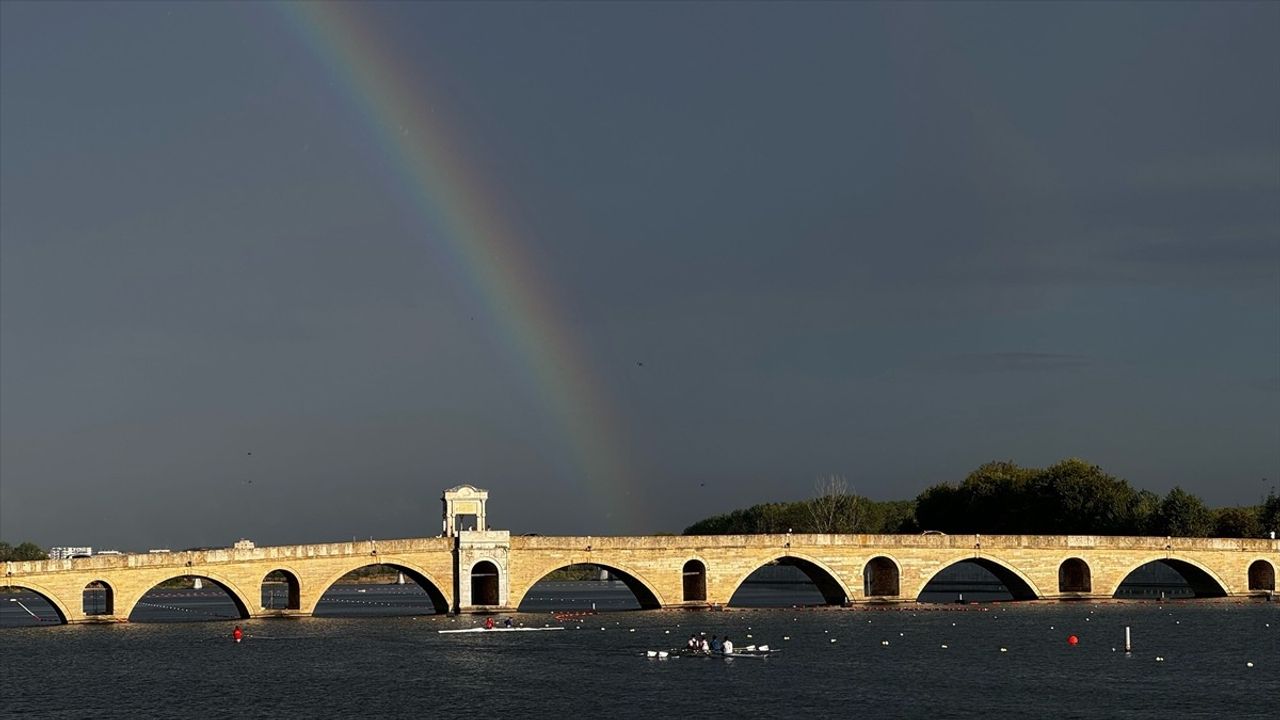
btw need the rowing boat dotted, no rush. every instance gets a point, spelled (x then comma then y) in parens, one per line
(499, 629)
(762, 652)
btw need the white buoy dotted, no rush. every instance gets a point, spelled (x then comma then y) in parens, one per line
(1159, 659)
(833, 639)
(1004, 649)
(786, 637)
(944, 647)
(632, 630)
(1248, 664)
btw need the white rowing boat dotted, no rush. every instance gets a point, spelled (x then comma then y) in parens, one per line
(499, 629)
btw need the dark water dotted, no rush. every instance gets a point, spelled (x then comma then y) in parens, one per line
(368, 665)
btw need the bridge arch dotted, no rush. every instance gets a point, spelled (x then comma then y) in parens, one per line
(644, 591)
(1074, 576)
(1203, 581)
(103, 605)
(1018, 584)
(54, 601)
(238, 596)
(424, 579)
(293, 590)
(693, 580)
(1262, 575)
(882, 577)
(833, 588)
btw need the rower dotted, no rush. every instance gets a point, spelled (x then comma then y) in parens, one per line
(488, 623)
(237, 634)
(716, 645)
(727, 648)
(507, 622)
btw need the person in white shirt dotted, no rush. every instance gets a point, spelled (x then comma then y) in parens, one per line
(727, 648)
(706, 647)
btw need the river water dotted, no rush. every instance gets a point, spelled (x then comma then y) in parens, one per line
(834, 663)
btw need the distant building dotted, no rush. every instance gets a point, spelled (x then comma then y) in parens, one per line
(109, 552)
(243, 544)
(65, 553)
(159, 550)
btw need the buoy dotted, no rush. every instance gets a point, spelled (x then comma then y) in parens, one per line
(786, 637)
(1004, 649)
(944, 647)
(833, 639)
(1159, 659)
(1073, 640)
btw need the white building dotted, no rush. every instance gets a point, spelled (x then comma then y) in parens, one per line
(64, 553)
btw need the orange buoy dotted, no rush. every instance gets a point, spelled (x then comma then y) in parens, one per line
(1072, 640)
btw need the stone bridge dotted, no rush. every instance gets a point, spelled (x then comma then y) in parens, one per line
(485, 570)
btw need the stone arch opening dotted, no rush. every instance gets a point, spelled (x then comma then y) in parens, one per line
(22, 606)
(695, 581)
(1074, 576)
(485, 583)
(1262, 576)
(281, 591)
(381, 590)
(99, 599)
(976, 580)
(189, 598)
(881, 578)
(789, 581)
(588, 586)
(1168, 578)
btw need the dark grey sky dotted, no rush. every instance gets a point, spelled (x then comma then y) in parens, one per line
(889, 242)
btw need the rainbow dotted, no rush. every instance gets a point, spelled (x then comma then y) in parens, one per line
(462, 220)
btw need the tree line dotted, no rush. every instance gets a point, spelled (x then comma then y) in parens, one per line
(1002, 498)
(24, 551)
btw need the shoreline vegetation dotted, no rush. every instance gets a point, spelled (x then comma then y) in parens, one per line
(1072, 497)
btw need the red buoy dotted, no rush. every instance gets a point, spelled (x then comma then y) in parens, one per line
(1072, 640)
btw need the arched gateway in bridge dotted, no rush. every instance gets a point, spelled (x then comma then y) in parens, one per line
(481, 570)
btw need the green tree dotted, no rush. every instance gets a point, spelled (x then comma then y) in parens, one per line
(1073, 496)
(1185, 515)
(1237, 522)
(24, 551)
(1143, 514)
(1269, 514)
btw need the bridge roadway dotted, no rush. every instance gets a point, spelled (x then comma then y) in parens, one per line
(491, 570)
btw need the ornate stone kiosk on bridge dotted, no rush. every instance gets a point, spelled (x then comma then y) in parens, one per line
(481, 556)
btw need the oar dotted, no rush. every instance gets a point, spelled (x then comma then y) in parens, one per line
(24, 607)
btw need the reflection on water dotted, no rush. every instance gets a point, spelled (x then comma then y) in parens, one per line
(922, 661)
